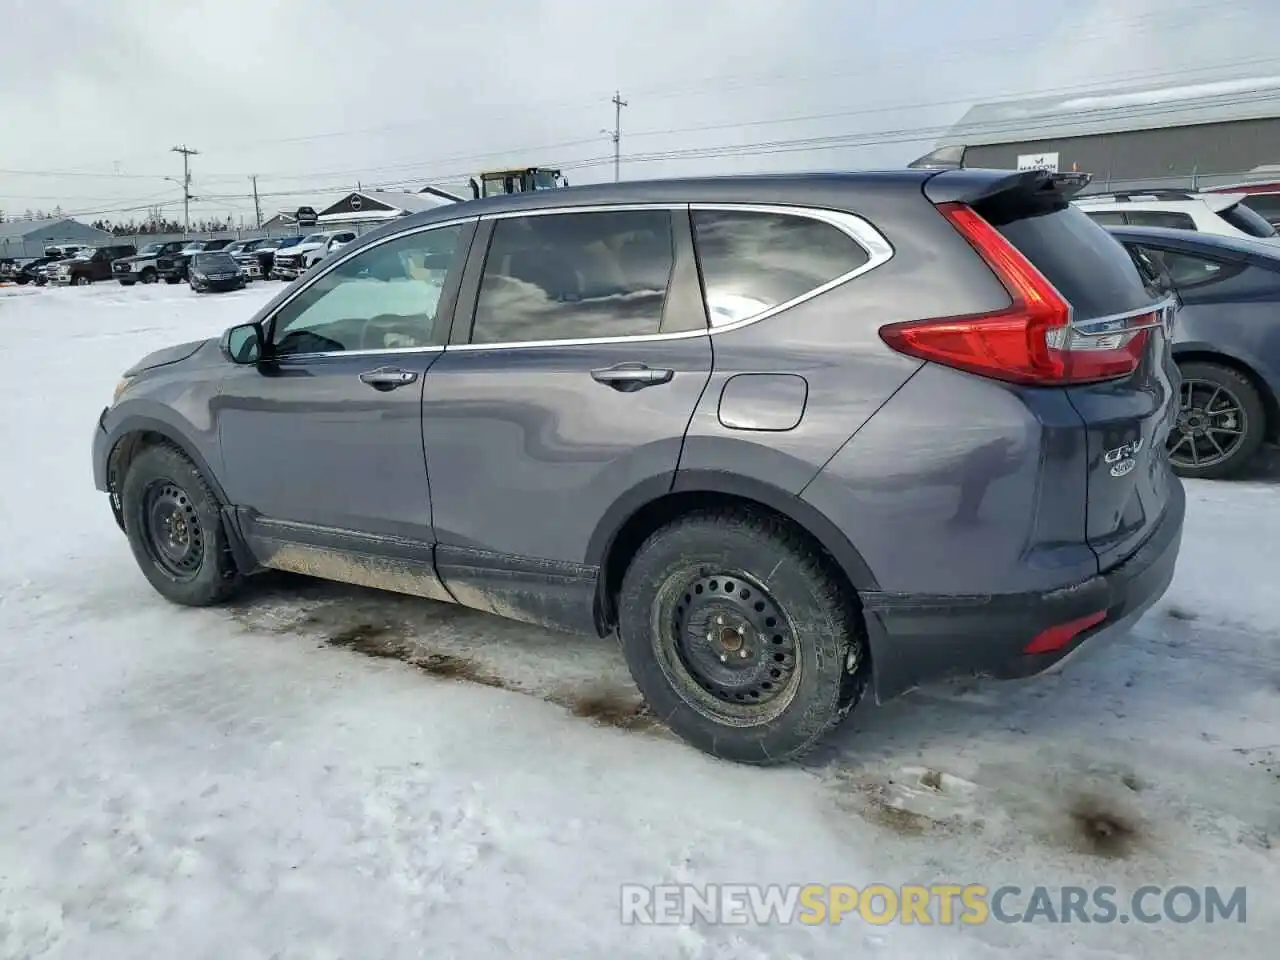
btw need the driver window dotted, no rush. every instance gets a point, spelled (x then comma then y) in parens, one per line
(384, 298)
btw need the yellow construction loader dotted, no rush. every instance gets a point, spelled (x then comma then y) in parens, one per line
(496, 183)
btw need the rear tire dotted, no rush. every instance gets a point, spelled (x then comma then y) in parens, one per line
(740, 635)
(1226, 407)
(174, 524)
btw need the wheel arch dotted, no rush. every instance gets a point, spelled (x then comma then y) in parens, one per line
(656, 501)
(1205, 353)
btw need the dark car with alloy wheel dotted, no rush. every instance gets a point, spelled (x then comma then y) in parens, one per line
(790, 439)
(215, 272)
(1227, 345)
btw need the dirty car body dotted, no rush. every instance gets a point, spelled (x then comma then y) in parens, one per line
(788, 437)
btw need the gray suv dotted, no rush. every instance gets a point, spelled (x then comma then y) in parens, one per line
(789, 438)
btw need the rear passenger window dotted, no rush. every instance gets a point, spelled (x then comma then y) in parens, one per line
(753, 262)
(1160, 218)
(1187, 270)
(571, 276)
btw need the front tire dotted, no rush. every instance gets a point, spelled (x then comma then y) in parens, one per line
(148, 276)
(1221, 422)
(174, 524)
(740, 635)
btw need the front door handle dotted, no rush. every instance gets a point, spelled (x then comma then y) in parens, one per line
(631, 376)
(387, 378)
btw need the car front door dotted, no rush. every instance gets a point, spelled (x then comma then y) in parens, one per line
(321, 441)
(579, 351)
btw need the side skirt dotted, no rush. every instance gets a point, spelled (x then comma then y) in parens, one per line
(347, 556)
(548, 593)
(552, 594)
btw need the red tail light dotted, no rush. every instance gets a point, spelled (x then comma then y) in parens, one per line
(1032, 341)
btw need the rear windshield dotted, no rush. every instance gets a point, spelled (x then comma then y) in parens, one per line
(1087, 265)
(1266, 205)
(1242, 218)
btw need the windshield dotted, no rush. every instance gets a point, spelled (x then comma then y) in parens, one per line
(152, 248)
(316, 238)
(1242, 218)
(86, 253)
(215, 261)
(544, 180)
(192, 247)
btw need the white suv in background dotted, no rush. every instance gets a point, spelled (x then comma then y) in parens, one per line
(1222, 214)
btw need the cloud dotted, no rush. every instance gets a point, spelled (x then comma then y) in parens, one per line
(319, 95)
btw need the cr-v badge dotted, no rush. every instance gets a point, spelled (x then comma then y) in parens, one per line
(1121, 458)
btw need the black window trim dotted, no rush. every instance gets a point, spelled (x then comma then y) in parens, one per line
(878, 250)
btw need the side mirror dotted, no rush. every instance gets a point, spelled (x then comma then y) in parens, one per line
(243, 343)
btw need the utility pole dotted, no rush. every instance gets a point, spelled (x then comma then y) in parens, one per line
(618, 104)
(187, 154)
(257, 207)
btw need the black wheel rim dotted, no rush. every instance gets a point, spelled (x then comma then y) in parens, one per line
(172, 530)
(1212, 424)
(728, 647)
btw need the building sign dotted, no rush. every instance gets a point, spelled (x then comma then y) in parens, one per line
(1038, 161)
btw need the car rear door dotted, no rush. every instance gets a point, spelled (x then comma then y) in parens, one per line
(1127, 420)
(579, 351)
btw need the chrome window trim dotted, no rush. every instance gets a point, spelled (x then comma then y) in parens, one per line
(1162, 310)
(878, 250)
(268, 322)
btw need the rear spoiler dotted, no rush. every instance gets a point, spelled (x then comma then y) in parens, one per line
(956, 183)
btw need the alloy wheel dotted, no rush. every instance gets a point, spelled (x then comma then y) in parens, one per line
(1211, 425)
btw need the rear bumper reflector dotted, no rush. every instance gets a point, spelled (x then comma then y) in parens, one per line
(1059, 635)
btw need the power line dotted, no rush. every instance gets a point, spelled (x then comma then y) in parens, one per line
(408, 166)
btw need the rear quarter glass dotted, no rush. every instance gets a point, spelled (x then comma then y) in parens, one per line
(1088, 266)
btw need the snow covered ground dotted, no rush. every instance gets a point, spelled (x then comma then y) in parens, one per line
(243, 782)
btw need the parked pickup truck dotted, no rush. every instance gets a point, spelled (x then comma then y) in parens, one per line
(90, 264)
(142, 267)
(174, 267)
(244, 253)
(293, 263)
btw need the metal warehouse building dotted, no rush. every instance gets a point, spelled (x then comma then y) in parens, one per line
(1194, 135)
(28, 238)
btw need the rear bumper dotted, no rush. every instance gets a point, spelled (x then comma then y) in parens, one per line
(921, 639)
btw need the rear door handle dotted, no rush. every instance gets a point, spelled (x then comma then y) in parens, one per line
(387, 378)
(631, 376)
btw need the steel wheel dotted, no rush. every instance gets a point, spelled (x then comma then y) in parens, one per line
(726, 645)
(1212, 424)
(172, 530)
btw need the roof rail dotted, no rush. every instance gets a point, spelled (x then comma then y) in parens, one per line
(1158, 193)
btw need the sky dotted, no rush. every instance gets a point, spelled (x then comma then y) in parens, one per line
(316, 98)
